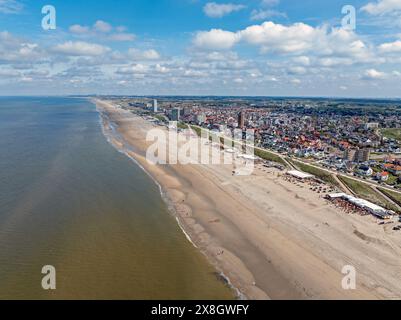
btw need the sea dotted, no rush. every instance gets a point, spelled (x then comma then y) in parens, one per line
(70, 200)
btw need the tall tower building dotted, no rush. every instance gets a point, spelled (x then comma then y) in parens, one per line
(241, 119)
(154, 105)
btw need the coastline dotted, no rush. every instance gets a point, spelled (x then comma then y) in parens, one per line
(247, 246)
(105, 124)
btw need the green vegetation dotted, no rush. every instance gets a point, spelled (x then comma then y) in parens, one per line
(264, 154)
(392, 133)
(364, 191)
(182, 125)
(395, 196)
(197, 130)
(319, 173)
(269, 156)
(392, 180)
(160, 118)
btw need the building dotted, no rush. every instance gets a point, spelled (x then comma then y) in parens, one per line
(186, 111)
(175, 114)
(371, 125)
(241, 119)
(154, 106)
(300, 175)
(382, 176)
(374, 209)
(365, 170)
(200, 118)
(357, 155)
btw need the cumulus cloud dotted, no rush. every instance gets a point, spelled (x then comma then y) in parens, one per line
(373, 74)
(391, 47)
(294, 39)
(80, 48)
(102, 26)
(13, 49)
(137, 54)
(134, 69)
(78, 29)
(381, 7)
(102, 30)
(215, 10)
(216, 39)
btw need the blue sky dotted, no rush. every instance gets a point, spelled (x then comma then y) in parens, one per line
(197, 47)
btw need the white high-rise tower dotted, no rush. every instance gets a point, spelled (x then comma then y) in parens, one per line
(154, 105)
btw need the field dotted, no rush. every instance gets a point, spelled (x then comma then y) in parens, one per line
(392, 133)
(396, 197)
(321, 174)
(264, 154)
(364, 191)
(269, 156)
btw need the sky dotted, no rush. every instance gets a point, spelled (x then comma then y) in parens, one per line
(198, 47)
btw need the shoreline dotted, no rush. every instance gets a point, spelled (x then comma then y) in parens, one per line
(239, 248)
(170, 206)
(238, 294)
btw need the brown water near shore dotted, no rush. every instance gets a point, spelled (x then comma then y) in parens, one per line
(69, 199)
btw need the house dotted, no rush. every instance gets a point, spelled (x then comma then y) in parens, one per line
(382, 176)
(365, 171)
(394, 169)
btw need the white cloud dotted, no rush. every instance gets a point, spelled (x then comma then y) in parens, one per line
(296, 70)
(150, 54)
(216, 39)
(294, 39)
(161, 69)
(265, 14)
(9, 73)
(10, 6)
(391, 47)
(381, 7)
(78, 29)
(102, 26)
(295, 81)
(303, 60)
(16, 50)
(215, 10)
(102, 29)
(373, 74)
(80, 48)
(134, 69)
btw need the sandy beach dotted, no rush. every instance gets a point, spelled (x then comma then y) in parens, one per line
(272, 238)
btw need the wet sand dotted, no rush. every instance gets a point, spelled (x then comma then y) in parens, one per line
(272, 239)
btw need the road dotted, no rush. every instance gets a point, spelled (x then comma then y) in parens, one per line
(335, 174)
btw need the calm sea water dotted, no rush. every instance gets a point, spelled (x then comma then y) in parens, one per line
(69, 199)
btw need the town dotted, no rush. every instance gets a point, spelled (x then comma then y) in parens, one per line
(353, 145)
